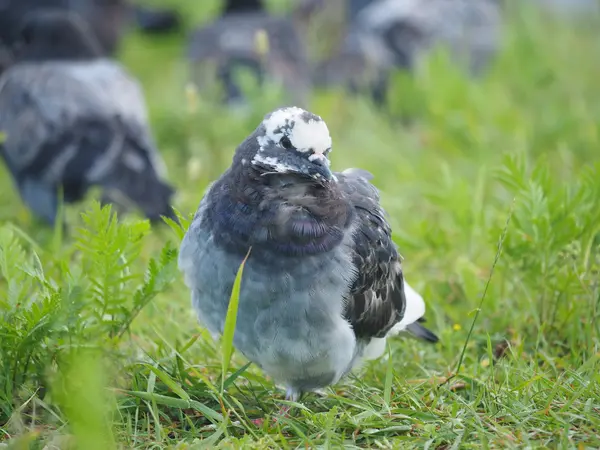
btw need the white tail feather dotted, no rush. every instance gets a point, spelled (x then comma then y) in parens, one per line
(415, 309)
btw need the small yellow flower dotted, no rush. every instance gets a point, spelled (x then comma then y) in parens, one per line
(261, 42)
(194, 168)
(191, 94)
(456, 327)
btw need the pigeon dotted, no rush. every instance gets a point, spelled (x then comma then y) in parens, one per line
(108, 19)
(156, 20)
(73, 120)
(322, 286)
(322, 24)
(361, 62)
(470, 29)
(355, 68)
(5, 58)
(218, 50)
(387, 35)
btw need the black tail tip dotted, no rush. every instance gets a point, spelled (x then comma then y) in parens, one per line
(420, 332)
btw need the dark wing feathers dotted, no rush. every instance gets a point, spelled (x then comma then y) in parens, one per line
(377, 301)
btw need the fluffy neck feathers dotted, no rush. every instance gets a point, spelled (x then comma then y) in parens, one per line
(276, 215)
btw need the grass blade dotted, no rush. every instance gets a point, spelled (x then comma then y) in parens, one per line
(229, 381)
(387, 388)
(487, 285)
(171, 384)
(230, 322)
(178, 403)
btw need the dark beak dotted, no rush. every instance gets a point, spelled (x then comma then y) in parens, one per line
(319, 170)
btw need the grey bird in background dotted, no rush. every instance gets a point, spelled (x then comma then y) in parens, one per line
(217, 50)
(6, 58)
(73, 120)
(322, 24)
(341, 59)
(323, 286)
(108, 19)
(384, 35)
(469, 29)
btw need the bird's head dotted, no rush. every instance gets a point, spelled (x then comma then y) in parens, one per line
(289, 141)
(55, 34)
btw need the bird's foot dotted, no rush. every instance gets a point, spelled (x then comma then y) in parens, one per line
(292, 395)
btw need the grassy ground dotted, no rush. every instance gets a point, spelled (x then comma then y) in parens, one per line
(97, 337)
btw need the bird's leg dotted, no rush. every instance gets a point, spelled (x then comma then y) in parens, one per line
(293, 395)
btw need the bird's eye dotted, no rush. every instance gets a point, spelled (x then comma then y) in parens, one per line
(286, 143)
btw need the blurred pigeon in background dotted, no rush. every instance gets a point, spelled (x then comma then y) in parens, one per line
(323, 286)
(156, 20)
(352, 64)
(469, 29)
(220, 48)
(322, 25)
(72, 120)
(384, 35)
(5, 58)
(108, 19)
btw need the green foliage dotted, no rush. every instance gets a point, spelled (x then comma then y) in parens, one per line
(230, 322)
(80, 390)
(555, 249)
(86, 296)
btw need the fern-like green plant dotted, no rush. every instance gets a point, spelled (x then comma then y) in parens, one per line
(85, 296)
(554, 250)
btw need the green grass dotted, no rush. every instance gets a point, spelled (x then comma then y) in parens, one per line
(99, 346)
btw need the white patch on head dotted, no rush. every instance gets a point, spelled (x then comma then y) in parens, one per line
(271, 162)
(305, 136)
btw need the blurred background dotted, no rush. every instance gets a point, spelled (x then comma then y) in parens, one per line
(479, 119)
(465, 81)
